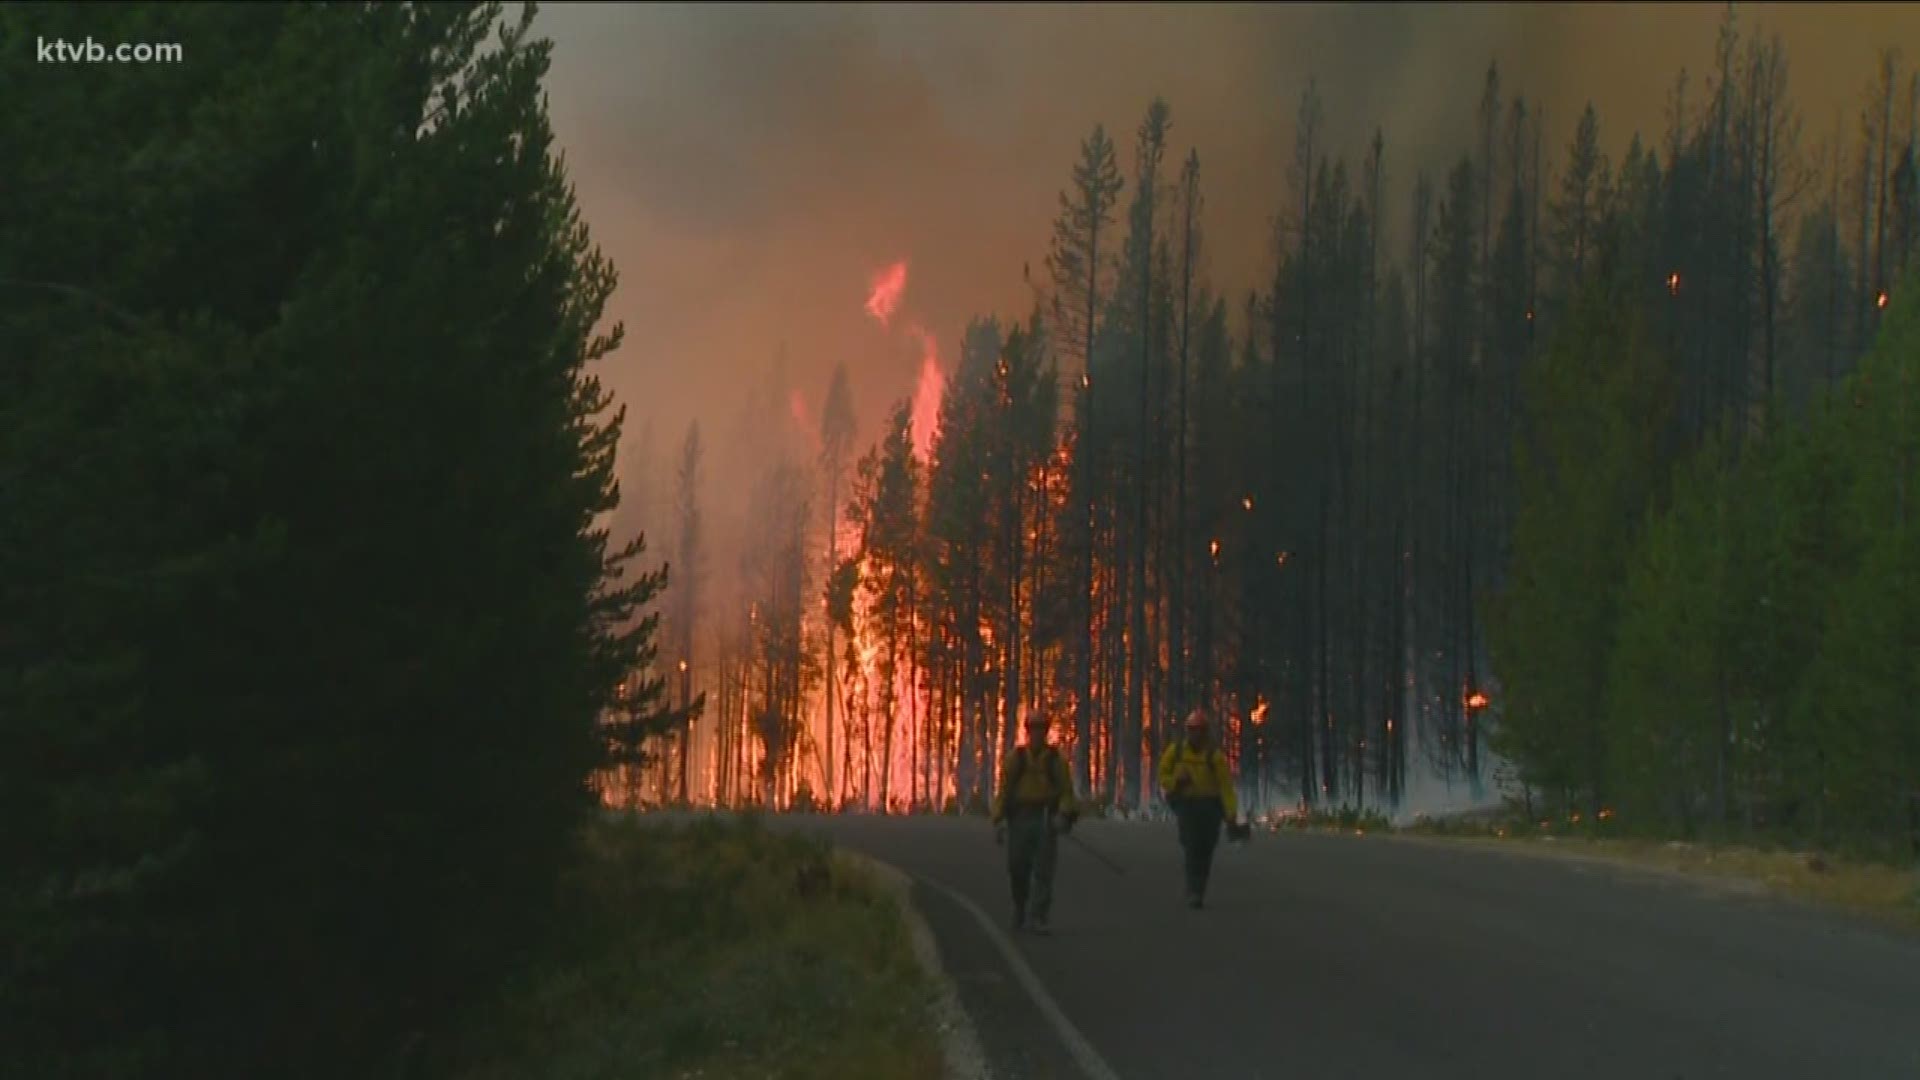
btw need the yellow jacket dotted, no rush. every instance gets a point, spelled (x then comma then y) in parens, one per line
(1041, 781)
(1206, 773)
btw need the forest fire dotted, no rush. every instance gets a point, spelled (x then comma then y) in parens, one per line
(1047, 560)
(884, 295)
(883, 299)
(865, 741)
(927, 394)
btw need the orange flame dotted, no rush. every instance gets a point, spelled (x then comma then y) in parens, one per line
(1673, 283)
(1259, 713)
(1881, 300)
(884, 294)
(1476, 700)
(926, 396)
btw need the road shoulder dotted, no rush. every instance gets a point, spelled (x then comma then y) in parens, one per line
(964, 1057)
(1884, 897)
(995, 1019)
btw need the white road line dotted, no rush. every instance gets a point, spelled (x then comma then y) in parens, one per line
(1084, 1054)
(959, 1043)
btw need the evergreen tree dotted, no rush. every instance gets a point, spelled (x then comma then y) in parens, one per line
(1078, 268)
(957, 528)
(836, 442)
(690, 573)
(307, 577)
(1586, 474)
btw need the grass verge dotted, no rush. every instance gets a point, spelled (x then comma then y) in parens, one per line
(711, 950)
(1886, 892)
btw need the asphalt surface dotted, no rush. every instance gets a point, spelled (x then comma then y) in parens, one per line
(1339, 956)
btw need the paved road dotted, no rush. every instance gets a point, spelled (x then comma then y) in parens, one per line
(1337, 956)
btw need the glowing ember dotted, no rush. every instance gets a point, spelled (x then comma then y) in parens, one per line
(926, 397)
(1529, 314)
(1476, 700)
(1213, 548)
(884, 295)
(1880, 300)
(1673, 283)
(1280, 559)
(1605, 813)
(1259, 713)
(1246, 502)
(683, 666)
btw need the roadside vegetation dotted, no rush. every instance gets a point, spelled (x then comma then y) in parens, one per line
(714, 950)
(1865, 880)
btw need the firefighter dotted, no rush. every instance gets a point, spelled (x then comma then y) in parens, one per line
(1035, 804)
(1198, 785)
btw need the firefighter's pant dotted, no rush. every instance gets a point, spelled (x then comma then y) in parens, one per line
(1031, 849)
(1200, 821)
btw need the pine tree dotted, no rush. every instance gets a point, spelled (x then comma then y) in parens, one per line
(1138, 276)
(1182, 543)
(1588, 469)
(958, 533)
(1078, 269)
(836, 442)
(1454, 325)
(270, 604)
(1574, 217)
(689, 576)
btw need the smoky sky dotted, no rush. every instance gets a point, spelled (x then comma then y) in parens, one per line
(749, 168)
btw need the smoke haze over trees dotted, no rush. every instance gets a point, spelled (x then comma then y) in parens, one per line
(1381, 486)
